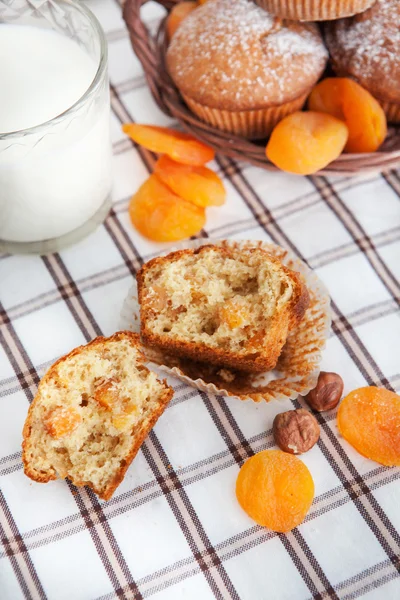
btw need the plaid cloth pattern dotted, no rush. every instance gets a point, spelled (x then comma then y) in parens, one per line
(174, 529)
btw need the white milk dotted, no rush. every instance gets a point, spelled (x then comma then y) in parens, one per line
(53, 181)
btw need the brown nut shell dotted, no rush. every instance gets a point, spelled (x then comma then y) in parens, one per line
(295, 431)
(327, 393)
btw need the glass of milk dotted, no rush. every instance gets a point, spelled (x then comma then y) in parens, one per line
(55, 151)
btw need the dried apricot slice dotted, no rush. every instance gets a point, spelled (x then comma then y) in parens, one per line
(234, 314)
(199, 185)
(62, 421)
(346, 100)
(105, 393)
(181, 147)
(275, 489)
(162, 216)
(369, 419)
(305, 142)
(122, 417)
(178, 14)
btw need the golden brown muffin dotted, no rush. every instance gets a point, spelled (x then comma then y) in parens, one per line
(241, 69)
(367, 48)
(92, 411)
(314, 10)
(232, 308)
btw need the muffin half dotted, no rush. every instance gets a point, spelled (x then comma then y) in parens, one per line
(222, 306)
(92, 411)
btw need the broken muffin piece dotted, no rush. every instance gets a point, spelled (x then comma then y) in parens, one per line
(93, 409)
(221, 305)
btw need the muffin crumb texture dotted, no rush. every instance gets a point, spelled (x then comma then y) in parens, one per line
(236, 56)
(89, 410)
(239, 304)
(216, 300)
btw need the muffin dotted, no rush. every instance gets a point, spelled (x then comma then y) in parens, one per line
(315, 10)
(241, 69)
(367, 49)
(225, 307)
(91, 413)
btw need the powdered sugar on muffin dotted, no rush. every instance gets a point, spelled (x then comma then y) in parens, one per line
(239, 55)
(367, 47)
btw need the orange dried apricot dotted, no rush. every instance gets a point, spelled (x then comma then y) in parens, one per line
(346, 100)
(305, 142)
(162, 216)
(120, 422)
(181, 147)
(233, 314)
(159, 298)
(62, 421)
(275, 489)
(178, 14)
(105, 393)
(369, 419)
(324, 98)
(121, 419)
(199, 185)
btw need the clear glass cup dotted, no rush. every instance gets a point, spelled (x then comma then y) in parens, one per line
(55, 178)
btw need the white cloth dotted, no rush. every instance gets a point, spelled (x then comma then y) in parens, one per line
(174, 528)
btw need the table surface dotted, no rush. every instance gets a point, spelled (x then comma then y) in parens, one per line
(174, 529)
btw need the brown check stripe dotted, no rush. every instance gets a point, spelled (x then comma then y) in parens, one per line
(263, 216)
(100, 531)
(207, 556)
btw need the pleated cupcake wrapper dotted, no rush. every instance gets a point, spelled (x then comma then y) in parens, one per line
(251, 124)
(392, 111)
(315, 10)
(298, 367)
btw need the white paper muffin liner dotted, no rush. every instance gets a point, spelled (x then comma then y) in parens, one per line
(297, 369)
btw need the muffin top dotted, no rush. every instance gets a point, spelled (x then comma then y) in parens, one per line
(367, 47)
(233, 55)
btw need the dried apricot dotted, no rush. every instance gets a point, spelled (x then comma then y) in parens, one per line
(346, 100)
(178, 13)
(122, 417)
(158, 300)
(105, 393)
(234, 314)
(181, 147)
(62, 421)
(199, 185)
(369, 419)
(275, 489)
(162, 216)
(305, 142)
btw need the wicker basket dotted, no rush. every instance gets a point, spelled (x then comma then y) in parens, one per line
(151, 53)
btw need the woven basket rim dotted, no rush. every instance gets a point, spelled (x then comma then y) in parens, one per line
(151, 51)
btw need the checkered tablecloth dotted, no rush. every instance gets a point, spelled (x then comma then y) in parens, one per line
(174, 529)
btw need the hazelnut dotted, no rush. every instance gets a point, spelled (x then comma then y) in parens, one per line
(295, 431)
(327, 393)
